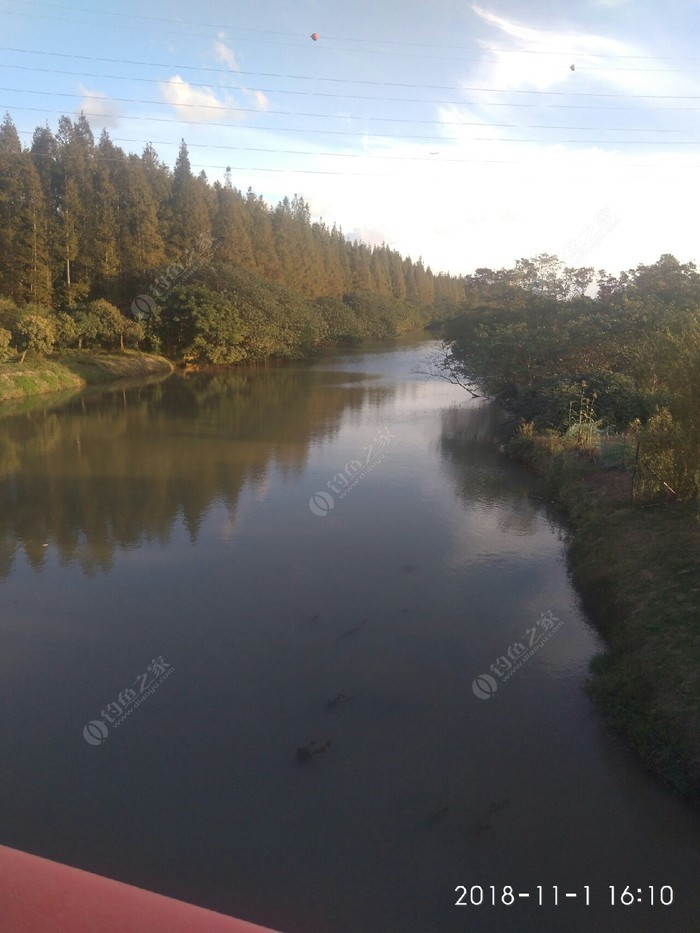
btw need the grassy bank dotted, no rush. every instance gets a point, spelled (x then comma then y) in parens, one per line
(636, 568)
(74, 371)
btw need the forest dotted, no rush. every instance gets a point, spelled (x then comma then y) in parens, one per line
(615, 371)
(100, 249)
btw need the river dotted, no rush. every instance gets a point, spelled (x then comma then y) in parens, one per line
(203, 575)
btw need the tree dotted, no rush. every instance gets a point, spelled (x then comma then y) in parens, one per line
(160, 183)
(105, 252)
(141, 242)
(232, 228)
(188, 205)
(11, 204)
(101, 324)
(202, 325)
(6, 351)
(74, 205)
(37, 334)
(81, 220)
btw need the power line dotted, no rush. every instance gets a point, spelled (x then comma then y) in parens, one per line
(431, 87)
(390, 158)
(294, 171)
(281, 129)
(271, 90)
(272, 32)
(232, 108)
(218, 26)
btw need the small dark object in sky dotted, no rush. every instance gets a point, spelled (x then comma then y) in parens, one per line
(356, 628)
(498, 805)
(306, 752)
(340, 698)
(573, 67)
(438, 815)
(315, 36)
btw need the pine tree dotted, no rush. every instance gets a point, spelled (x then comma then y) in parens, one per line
(142, 246)
(75, 205)
(360, 262)
(308, 256)
(160, 182)
(44, 156)
(105, 253)
(232, 227)
(33, 255)
(264, 249)
(396, 273)
(381, 278)
(328, 248)
(191, 222)
(11, 204)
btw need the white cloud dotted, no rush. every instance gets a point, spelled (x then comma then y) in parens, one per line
(486, 195)
(460, 215)
(100, 107)
(197, 103)
(193, 103)
(224, 54)
(260, 100)
(541, 59)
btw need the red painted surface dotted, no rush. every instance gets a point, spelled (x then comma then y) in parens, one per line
(39, 896)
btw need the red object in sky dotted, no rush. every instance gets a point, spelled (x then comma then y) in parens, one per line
(38, 895)
(315, 36)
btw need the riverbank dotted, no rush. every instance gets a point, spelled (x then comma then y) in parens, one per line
(636, 568)
(75, 371)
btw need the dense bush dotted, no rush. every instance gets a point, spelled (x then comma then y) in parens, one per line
(631, 356)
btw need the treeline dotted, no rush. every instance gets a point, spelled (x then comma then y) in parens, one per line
(86, 227)
(573, 365)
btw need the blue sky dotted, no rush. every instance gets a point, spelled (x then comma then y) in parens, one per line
(454, 131)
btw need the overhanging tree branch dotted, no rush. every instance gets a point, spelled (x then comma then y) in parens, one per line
(444, 366)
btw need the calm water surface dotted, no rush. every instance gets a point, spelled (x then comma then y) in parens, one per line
(171, 523)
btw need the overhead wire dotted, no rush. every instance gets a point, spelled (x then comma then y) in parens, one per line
(276, 129)
(344, 49)
(316, 78)
(369, 97)
(233, 108)
(442, 45)
(364, 155)
(365, 174)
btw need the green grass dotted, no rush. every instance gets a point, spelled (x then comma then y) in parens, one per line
(75, 370)
(636, 568)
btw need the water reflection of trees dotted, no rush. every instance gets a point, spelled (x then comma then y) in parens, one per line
(112, 469)
(468, 441)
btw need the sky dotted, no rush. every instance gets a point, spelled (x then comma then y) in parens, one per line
(468, 134)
